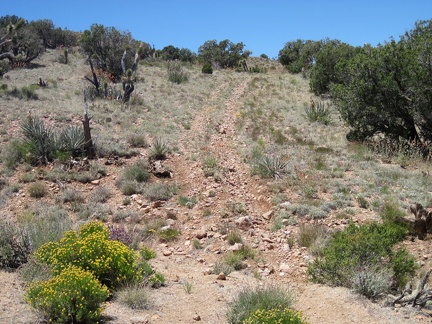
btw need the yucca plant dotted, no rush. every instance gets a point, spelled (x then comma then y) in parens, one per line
(270, 166)
(71, 140)
(40, 141)
(318, 112)
(159, 150)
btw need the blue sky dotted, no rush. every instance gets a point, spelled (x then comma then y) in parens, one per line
(263, 26)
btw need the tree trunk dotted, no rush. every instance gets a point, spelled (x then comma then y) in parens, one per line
(128, 88)
(89, 147)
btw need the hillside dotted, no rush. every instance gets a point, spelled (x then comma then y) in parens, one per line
(214, 125)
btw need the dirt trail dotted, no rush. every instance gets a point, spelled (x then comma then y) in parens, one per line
(209, 297)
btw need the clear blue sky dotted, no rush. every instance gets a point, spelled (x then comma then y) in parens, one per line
(263, 26)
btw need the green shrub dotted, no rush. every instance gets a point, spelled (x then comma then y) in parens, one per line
(309, 234)
(159, 191)
(250, 300)
(15, 246)
(129, 188)
(26, 92)
(207, 68)
(147, 253)
(168, 234)
(34, 270)
(156, 280)
(137, 172)
(90, 248)
(210, 165)
(222, 267)
(188, 202)
(363, 247)
(11, 154)
(37, 190)
(122, 214)
(391, 212)
(275, 316)
(73, 296)
(234, 237)
(72, 195)
(136, 140)
(176, 73)
(101, 194)
(235, 258)
(197, 245)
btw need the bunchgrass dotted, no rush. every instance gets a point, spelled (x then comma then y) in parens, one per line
(134, 296)
(249, 300)
(37, 190)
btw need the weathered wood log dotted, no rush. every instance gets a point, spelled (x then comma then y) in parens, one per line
(419, 297)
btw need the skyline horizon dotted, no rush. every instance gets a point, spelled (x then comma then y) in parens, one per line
(265, 32)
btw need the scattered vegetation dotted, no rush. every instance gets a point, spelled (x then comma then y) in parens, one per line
(87, 267)
(362, 257)
(176, 74)
(252, 300)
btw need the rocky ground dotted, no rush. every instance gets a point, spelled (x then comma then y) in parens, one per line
(278, 263)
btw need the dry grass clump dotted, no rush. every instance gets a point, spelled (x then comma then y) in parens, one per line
(37, 190)
(134, 296)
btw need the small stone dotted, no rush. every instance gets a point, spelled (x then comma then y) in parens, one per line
(167, 252)
(95, 182)
(147, 209)
(268, 215)
(284, 268)
(200, 234)
(197, 318)
(221, 276)
(285, 205)
(158, 204)
(267, 239)
(244, 221)
(236, 247)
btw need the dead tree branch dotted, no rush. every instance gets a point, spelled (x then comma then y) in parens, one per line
(419, 297)
(95, 80)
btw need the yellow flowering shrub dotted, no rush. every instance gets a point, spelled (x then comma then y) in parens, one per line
(73, 296)
(275, 316)
(110, 261)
